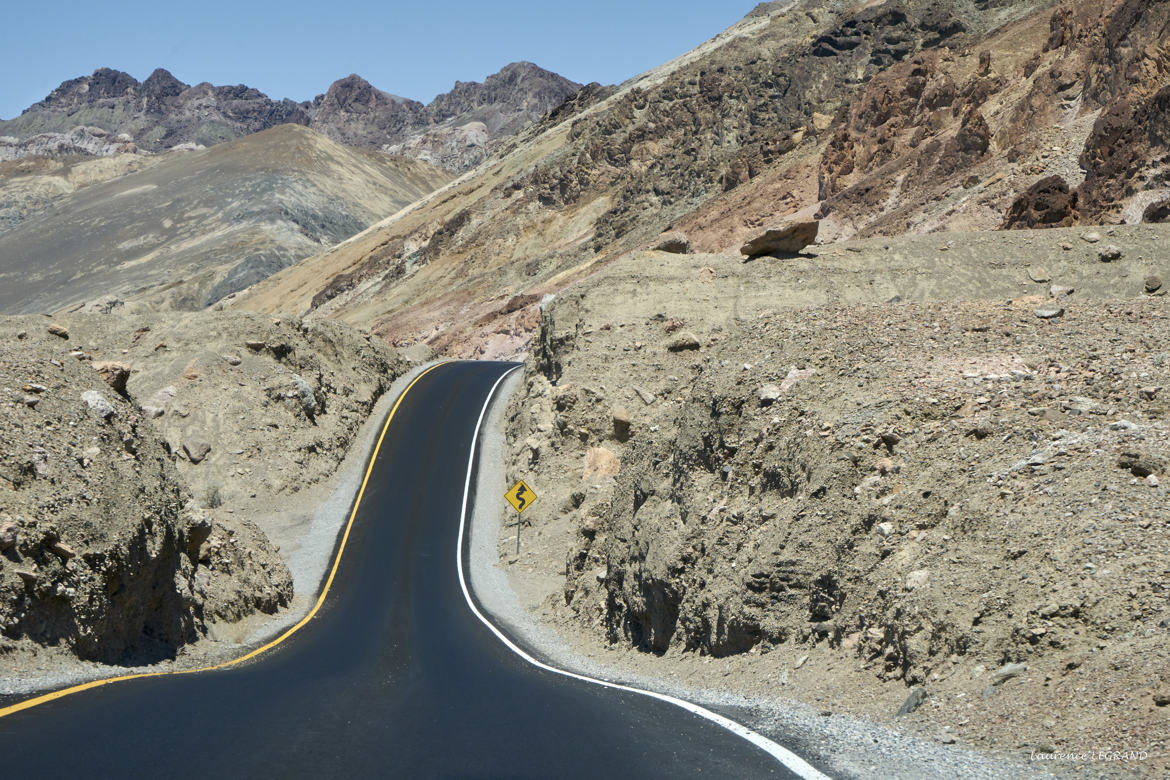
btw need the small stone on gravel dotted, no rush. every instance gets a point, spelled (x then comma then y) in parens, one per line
(98, 404)
(1049, 312)
(768, 394)
(683, 341)
(1109, 254)
(913, 701)
(1007, 672)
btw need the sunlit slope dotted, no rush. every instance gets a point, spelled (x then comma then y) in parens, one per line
(201, 225)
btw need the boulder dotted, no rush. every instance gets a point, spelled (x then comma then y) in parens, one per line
(683, 341)
(768, 394)
(789, 239)
(600, 462)
(1157, 212)
(60, 331)
(98, 404)
(913, 701)
(9, 533)
(114, 374)
(1152, 284)
(621, 423)
(1049, 203)
(197, 450)
(1109, 254)
(675, 243)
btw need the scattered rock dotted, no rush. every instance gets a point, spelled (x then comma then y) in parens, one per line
(1157, 212)
(884, 530)
(1109, 254)
(821, 122)
(255, 346)
(675, 243)
(9, 533)
(29, 577)
(795, 376)
(1059, 291)
(600, 462)
(1153, 284)
(1039, 275)
(232, 360)
(981, 431)
(646, 396)
(1139, 464)
(886, 466)
(684, 340)
(917, 579)
(1007, 672)
(60, 331)
(768, 394)
(1162, 698)
(621, 424)
(152, 412)
(197, 450)
(1153, 481)
(1091, 237)
(307, 396)
(30, 400)
(1049, 312)
(62, 550)
(1149, 393)
(114, 374)
(98, 404)
(786, 239)
(913, 701)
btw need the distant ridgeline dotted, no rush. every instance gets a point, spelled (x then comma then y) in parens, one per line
(111, 112)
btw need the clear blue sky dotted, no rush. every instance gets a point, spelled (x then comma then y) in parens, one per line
(295, 49)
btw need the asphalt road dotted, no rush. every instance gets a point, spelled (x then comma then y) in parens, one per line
(394, 676)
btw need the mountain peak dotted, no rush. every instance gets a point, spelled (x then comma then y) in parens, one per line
(103, 83)
(161, 84)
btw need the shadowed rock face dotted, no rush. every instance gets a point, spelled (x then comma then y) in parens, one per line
(119, 114)
(1047, 203)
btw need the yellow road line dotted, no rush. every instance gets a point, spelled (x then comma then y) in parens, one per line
(47, 697)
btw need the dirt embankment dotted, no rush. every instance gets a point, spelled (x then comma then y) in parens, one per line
(940, 474)
(131, 450)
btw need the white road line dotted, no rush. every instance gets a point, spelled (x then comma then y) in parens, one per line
(786, 757)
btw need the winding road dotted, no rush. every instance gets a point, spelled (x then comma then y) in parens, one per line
(394, 674)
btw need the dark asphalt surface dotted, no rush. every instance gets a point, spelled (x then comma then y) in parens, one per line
(393, 677)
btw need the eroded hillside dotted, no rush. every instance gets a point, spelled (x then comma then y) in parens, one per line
(194, 227)
(153, 470)
(930, 469)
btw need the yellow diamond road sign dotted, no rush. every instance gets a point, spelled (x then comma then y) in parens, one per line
(520, 496)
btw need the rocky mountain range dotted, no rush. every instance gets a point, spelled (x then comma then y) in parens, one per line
(913, 463)
(110, 111)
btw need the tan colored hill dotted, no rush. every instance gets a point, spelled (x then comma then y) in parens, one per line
(881, 118)
(196, 226)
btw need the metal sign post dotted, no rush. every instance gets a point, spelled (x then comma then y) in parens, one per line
(520, 496)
